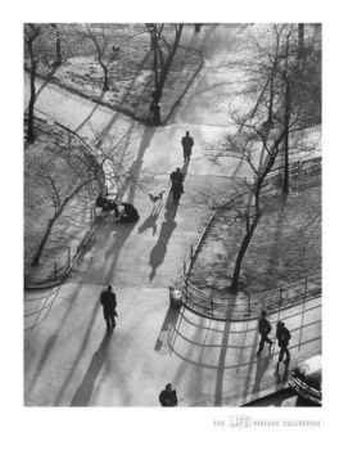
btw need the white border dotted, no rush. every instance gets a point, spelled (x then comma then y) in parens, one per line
(54, 428)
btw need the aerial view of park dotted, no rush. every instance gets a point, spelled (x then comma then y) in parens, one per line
(172, 214)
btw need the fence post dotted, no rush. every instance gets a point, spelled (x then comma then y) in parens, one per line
(69, 256)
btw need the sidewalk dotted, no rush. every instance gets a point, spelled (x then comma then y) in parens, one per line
(69, 360)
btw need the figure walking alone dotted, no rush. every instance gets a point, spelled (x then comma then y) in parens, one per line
(109, 305)
(176, 179)
(187, 143)
(168, 396)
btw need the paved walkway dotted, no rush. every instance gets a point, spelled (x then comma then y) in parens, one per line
(68, 359)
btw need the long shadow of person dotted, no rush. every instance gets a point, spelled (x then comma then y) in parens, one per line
(84, 392)
(158, 253)
(261, 367)
(282, 377)
(184, 168)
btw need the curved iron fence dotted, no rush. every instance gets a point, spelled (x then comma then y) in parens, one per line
(244, 304)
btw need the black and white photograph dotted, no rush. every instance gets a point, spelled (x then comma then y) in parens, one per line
(172, 214)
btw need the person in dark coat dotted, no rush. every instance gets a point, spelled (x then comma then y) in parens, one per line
(264, 328)
(168, 396)
(109, 304)
(129, 213)
(176, 179)
(187, 143)
(283, 337)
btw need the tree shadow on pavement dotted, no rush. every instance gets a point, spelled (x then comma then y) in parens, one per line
(222, 358)
(79, 353)
(110, 240)
(44, 357)
(159, 251)
(251, 362)
(117, 114)
(92, 112)
(138, 163)
(84, 392)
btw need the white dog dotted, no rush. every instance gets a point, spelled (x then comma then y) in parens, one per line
(157, 201)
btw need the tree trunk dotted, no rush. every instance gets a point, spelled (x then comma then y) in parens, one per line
(240, 256)
(170, 58)
(285, 188)
(161, 68)
(30, 119)
(301, 39)
(58, 51)
(105, 86)
(58, 60)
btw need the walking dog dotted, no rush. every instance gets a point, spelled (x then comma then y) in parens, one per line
(157, 201)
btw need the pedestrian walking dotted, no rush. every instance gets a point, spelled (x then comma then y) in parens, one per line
(176, 179)
(168, 396)
(264, 328)
(187, 143)
(283, 336)
(109, 304)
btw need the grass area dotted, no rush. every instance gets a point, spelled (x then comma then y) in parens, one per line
(131, 79)
(286, 245)
(54, 167)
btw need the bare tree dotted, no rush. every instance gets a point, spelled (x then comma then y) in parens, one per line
(254, 139)
(31, 32)
(57, 188)
(267, 129)
(301, 38)
(58, 46)
(101, 43)
(260, 139)
(289, 86)
(164, 49)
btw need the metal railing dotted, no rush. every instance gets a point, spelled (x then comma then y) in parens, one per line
(246, 304)
(57, 269)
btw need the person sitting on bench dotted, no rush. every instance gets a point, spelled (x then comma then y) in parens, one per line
(127, 213)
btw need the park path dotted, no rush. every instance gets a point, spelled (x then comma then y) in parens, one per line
(68, 359)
